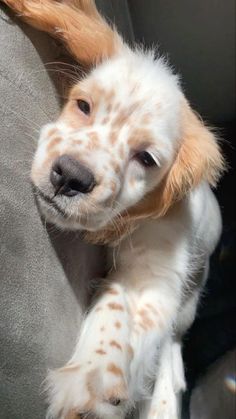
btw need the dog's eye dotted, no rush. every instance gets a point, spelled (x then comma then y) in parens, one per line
(145, 159)
(84, 106)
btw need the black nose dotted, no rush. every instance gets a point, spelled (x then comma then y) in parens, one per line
(69, 177)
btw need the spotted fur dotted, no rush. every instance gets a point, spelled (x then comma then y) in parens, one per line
(161, 223)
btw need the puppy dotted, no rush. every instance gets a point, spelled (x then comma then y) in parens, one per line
(130, 164)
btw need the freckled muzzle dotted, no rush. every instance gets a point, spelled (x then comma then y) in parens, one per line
(69, 177)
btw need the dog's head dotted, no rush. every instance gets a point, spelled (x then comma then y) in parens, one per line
(126, 146)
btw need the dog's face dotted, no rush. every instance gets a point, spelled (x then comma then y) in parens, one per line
(114, 141)
(125, 129)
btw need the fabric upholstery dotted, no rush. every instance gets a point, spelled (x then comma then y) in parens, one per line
(43, 275)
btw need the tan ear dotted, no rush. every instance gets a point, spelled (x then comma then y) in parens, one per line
(77, 23)
(199, 158)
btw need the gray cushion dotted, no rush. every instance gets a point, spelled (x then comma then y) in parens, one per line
(44, 275)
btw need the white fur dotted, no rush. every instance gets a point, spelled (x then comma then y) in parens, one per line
(160, 268)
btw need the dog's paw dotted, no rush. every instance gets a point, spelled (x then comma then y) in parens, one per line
(80, 389)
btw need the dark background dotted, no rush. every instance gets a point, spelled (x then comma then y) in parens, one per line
(199, 39)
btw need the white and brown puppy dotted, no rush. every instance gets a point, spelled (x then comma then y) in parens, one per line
(129, 163)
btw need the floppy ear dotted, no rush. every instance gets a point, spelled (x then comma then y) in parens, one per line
(199, 158)
(77, 23)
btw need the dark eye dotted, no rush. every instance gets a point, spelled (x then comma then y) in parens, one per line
(145, 159)
(84, 106)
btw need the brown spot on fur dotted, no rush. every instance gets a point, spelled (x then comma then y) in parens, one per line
(113, 137)
(53, 143)
(146, 321)
(52, 132)
(109, 108)
(118, 325)
(112, 291)
(146, 119)
(109, 95)
(102, 329)
(100, 352)
(51, 155)
(77, 142)
(152, 309)
(163, 401)
(115, 344)
(140, 139)
(130, 351)
(105, 120)
(98, 309)
(116, 166)
(142, 325)
(94, 140)
(115, 306)
(120, 119)
(114, 369)
(113, 186)
(101, 342)
(116, 106)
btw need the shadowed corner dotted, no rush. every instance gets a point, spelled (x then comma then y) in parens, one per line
(82, 263)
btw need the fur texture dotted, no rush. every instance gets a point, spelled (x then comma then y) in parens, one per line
(160, 220)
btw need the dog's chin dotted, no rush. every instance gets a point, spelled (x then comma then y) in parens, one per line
(54, 214)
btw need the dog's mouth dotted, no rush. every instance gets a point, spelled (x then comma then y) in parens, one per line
(48, 201)
(67, 217)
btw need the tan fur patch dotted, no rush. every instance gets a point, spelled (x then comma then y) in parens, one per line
(115, 306)
(113, 137)
(52, 132)
(118, 325)
(113, 186)
(152, 309)
(146, 323)
(140, 139)
(130, 351)
(100, 352)
(114, 369)
(146, 119)
(53, 143)
(94, 143)
(115, 344)
(112, 291)
(116, 166)
(105, 120)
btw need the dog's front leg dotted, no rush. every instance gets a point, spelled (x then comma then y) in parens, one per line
(95, 380)
(165, 402)
(153, 360)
